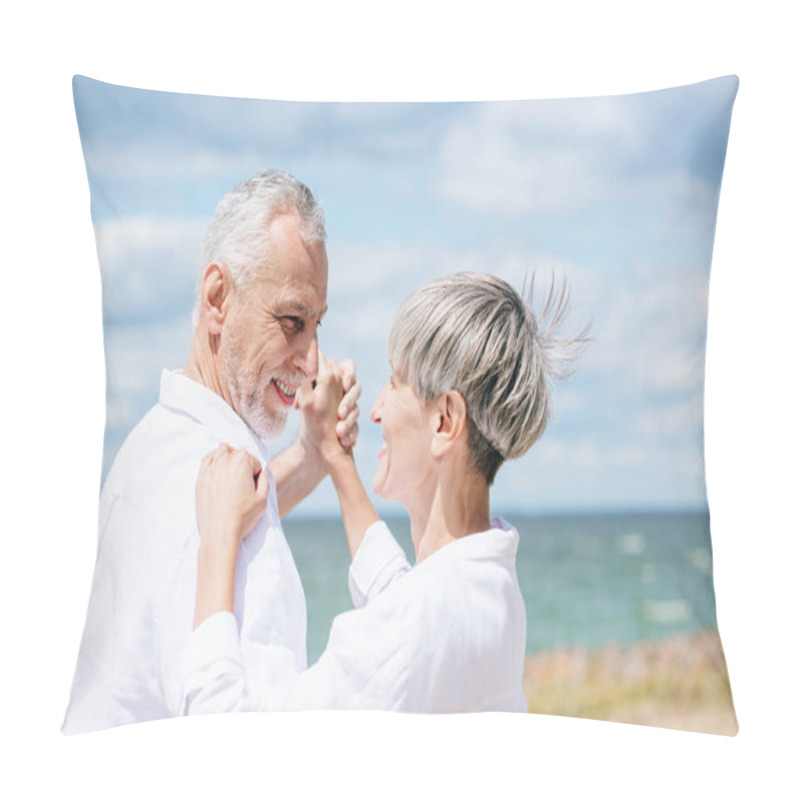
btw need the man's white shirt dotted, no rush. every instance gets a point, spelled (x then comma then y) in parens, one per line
(141, 607)
(445, 636)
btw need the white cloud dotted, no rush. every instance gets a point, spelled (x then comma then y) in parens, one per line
(650, 330)
(154, 160)
(562, 157)
(536, 158)
(135, 356)
(590, 454)
(489, 176)
(148, 265)
(680, 418)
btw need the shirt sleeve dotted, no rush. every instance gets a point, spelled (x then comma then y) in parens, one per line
(378, 562)
(369, 663)
(360, 668)
(210, 677)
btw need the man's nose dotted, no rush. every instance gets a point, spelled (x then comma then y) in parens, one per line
(308, 358)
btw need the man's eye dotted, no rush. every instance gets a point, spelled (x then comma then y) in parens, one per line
(295, 324)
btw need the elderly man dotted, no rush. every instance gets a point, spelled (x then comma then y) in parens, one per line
(260, 296)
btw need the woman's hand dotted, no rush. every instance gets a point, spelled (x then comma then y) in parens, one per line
(230, 495)
(347, 426)
(230, 498)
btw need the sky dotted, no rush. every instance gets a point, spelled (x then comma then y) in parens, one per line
(617, 196)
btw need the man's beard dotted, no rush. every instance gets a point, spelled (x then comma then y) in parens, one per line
(247, 391)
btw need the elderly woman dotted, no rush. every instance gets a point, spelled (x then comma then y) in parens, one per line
(469, 389)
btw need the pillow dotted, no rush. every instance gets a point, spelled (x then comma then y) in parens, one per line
(616, 196)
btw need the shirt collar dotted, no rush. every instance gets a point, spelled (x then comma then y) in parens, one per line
(500, 543)
(186, 396)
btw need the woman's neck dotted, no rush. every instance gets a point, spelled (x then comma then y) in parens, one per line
(454, 509)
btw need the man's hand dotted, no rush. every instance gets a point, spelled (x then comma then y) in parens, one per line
(326, 411)
(321, 405)
(329, 408)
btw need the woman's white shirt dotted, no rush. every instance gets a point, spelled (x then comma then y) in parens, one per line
(447, 635)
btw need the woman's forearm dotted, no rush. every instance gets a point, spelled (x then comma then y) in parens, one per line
(358, 513)
(216, 579)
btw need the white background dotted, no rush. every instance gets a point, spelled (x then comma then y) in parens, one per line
(53, 404)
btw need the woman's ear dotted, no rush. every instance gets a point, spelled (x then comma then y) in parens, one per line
(217, 289)
(450, 421)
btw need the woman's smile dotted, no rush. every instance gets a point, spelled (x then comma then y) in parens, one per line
(406, 448)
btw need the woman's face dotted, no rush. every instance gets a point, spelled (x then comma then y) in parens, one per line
(405, 462)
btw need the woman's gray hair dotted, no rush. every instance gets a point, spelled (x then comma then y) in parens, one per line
(473, 333)
(237, 233)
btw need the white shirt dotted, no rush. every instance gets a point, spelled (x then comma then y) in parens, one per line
(445, 636)
(142, 602)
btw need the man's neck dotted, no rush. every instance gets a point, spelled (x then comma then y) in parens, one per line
(201, 365)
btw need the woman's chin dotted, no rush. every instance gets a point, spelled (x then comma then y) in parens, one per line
(377, 485)
(379, 481)
(382, 490)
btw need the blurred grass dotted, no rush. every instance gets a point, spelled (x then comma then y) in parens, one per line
(679, 683)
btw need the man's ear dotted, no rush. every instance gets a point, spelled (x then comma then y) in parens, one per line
(450, 420)
(217, 289)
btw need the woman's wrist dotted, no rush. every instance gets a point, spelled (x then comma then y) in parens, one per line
(309, 455)
(358, 513)
(341, 465)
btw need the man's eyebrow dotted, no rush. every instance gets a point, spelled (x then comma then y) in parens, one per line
(299, 309)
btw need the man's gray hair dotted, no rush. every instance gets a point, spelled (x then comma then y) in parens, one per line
(473, 333)
(237, 233)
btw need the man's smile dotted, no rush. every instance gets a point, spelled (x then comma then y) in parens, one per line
(286, 391)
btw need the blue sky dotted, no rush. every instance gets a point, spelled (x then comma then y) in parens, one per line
(617, 195)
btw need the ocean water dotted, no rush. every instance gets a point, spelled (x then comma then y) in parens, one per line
(587, 580)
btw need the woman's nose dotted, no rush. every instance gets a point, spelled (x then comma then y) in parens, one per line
(375, 414)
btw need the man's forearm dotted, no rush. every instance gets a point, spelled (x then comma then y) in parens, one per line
(296, 476)
(358, 513)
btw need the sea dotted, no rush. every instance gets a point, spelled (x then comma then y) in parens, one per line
(587, 580)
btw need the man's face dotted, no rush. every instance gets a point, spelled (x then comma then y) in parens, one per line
(269, 344)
